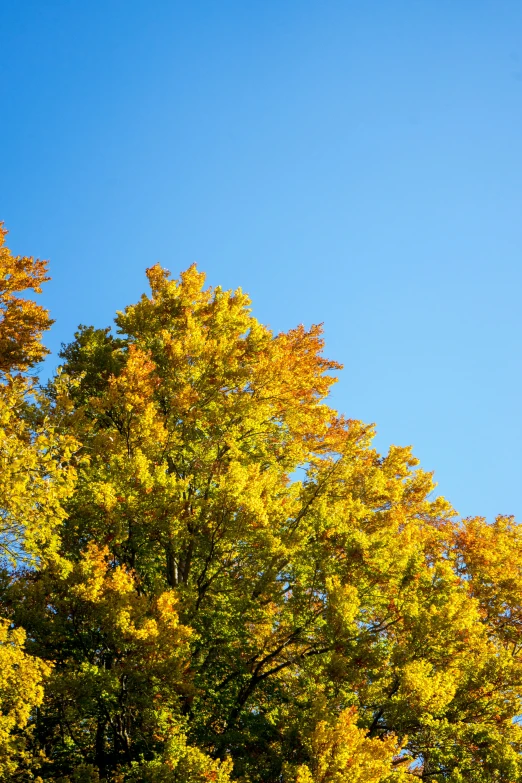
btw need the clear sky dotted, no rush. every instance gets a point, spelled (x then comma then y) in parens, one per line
(352, 163)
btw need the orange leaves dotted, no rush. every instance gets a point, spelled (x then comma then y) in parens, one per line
(298, 356)
(491, 558)
(22, 322)
(136, 383)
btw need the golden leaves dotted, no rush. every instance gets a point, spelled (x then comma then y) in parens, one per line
(342, 753)
(22, 322)
(125, 616)
(36, 476)
(21, 689)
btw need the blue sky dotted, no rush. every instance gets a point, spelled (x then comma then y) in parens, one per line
(352, 163)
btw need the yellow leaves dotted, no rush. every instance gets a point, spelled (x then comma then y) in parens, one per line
(113, 592)
(21, 675)
(167, 608)
(343, 605)
(477, 751)
(126, 617)
(36, 477)
(21, 690)
(191, 765)
(189, 288)
(129, 406)
(343, 753)
(304, 775)
(121, 654)
(120, 581)
(182, 763)
(422, 689)
(146, 631)
(90, 573)
(104, 495)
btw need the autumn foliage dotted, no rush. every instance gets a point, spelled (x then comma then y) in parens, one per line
(211, 575)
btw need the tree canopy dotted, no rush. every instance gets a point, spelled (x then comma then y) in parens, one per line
(211, 575)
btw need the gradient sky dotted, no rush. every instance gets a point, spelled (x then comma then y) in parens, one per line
(352, 163)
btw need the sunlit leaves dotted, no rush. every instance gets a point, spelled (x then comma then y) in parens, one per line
(22, 321)
(21, 690)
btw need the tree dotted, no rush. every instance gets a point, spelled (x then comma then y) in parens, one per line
(36, 470)
(211, 616)
(35, 477)
(22, 322)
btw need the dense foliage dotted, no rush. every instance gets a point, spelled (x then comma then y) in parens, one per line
(210, 575)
